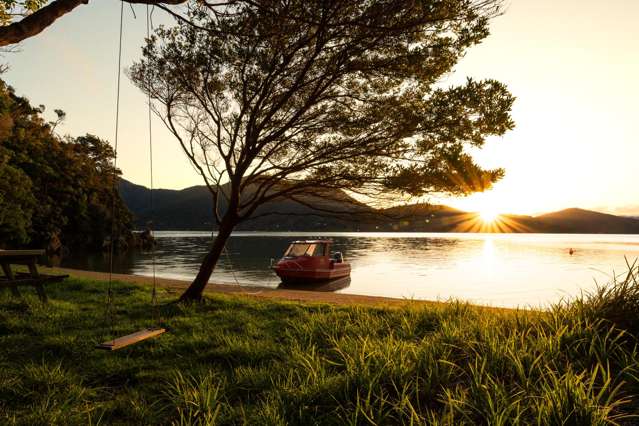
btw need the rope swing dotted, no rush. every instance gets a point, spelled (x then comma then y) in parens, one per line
(149, 332)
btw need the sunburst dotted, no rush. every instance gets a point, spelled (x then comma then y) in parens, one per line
(488, 215)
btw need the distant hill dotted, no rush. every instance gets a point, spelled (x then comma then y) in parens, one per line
(191, 209)
(576, 220)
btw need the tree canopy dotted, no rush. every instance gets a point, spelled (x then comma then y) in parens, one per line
(295, 98)
(53, 188)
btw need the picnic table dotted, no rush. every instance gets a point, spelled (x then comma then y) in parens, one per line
(32, 278)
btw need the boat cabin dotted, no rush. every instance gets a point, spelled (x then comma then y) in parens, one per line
(314, 248)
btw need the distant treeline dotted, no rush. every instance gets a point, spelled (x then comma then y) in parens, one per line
(55, 192)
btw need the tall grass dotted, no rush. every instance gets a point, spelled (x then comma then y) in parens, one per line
(616, 302)
(236, 360)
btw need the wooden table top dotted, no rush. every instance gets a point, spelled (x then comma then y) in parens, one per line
(21, 253)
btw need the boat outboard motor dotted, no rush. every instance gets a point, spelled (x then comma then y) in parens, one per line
(337, 257)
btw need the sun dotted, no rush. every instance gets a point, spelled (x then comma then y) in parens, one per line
(488, 215)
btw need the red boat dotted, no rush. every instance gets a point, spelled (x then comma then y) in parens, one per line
(311, 261)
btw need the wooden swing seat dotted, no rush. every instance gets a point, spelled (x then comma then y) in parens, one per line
(130, 339)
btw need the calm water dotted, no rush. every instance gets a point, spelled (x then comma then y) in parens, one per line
(527, 270)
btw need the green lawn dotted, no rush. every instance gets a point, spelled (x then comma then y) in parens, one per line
(237, 360)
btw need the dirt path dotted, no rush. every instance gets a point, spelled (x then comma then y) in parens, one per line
(260, 292)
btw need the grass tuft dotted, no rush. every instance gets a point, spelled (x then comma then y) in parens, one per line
(616, 302)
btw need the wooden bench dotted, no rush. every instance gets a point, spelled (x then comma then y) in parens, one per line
(33, 278)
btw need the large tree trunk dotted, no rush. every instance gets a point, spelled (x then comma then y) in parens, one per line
(194, 292)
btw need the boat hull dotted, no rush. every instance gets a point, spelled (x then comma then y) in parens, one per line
(321, 286)
(298, 276)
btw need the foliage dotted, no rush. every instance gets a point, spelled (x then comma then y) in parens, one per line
(12, 8)
(16, 202)
(55, 188)
(239, 360)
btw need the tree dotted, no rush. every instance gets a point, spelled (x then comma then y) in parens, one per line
(16, 203)
(21, 19)
(53, 188)
(302, 99)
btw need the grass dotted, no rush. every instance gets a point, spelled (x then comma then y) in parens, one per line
(237, 360)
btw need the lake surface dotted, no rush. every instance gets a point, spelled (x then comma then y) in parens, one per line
(525, 270)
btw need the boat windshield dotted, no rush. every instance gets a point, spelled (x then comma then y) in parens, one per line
(305, 249)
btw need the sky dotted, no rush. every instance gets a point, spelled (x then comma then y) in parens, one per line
(573, 66)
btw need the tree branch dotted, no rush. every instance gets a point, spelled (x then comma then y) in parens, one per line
(38, 21)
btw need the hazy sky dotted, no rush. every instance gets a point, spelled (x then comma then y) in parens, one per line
(572, 64)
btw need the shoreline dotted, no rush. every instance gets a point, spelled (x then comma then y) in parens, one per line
(293, 295)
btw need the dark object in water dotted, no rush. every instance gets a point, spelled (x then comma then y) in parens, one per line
(571, 251)
(311, 261)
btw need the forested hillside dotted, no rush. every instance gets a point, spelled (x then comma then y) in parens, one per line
(191, 209)
(55, 192)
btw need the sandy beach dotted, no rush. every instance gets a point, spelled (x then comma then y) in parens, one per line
(173, 285)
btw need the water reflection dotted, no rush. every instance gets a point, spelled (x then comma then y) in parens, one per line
(328, 286)
(496, 269)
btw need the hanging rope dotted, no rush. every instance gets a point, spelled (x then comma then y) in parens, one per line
(149, 332)
(109, 313)
(228, 259)
(154, 298)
